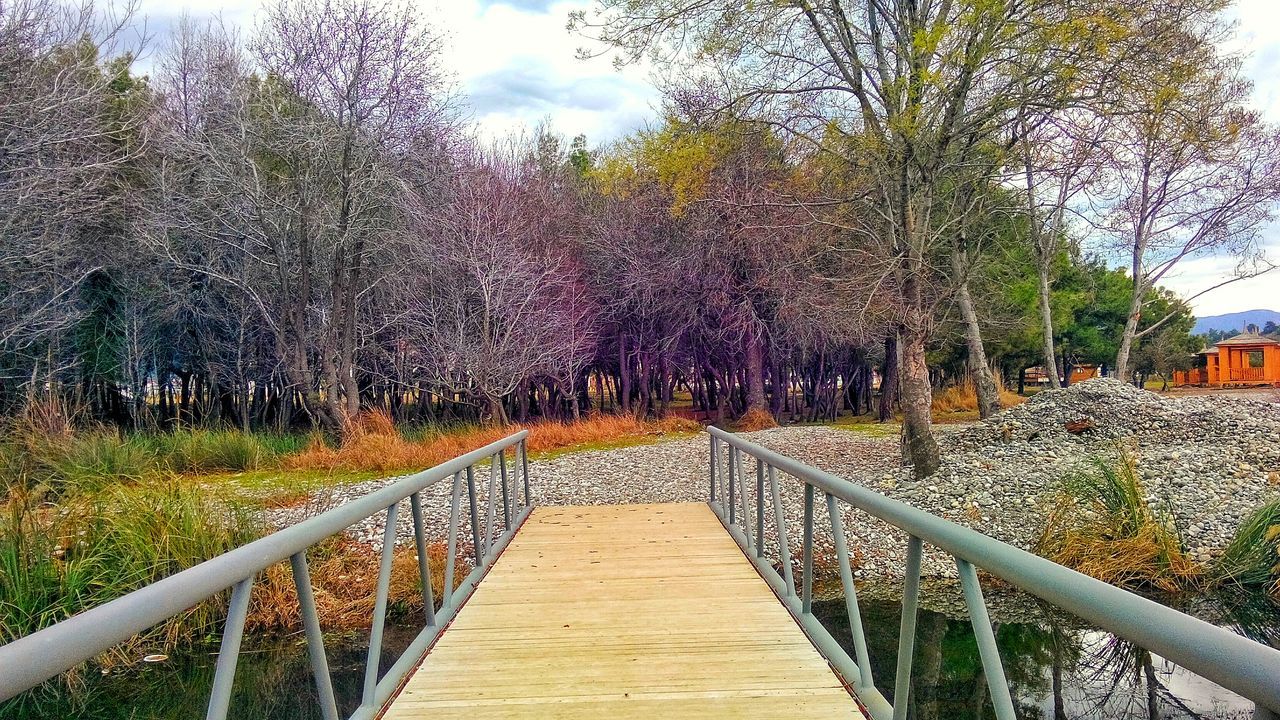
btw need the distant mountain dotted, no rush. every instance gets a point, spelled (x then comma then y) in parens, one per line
(1235, 321)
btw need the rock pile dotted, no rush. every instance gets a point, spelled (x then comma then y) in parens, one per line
(1212, 459)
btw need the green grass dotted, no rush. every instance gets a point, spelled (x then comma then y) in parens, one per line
(1253, 556)
(99, 544)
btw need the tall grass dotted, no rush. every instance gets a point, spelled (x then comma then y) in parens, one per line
(963, 397)
(372, 442)
(99, 544)
(1253, 556)
(1104, 527)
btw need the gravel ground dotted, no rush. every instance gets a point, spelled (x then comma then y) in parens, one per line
(1212, 459)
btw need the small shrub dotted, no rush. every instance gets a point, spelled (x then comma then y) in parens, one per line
(203, 450)
(92, 460)
(1105, 528)
(963, 397)
(756, 420)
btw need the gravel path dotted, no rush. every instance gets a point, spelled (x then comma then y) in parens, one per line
(1212, 459)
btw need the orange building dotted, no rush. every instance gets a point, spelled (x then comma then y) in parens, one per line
(1246, 359)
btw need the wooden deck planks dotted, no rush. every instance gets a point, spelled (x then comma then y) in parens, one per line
(623, 611)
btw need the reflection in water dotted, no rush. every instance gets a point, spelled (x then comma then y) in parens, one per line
(273, 680)
(1057, 669)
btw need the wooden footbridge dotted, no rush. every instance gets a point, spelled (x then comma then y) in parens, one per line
(623, 611)
(671, 610)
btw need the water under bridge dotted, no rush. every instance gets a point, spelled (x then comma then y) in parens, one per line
(666, 610)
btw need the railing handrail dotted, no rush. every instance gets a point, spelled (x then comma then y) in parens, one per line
(33, 659)
(1230, 660)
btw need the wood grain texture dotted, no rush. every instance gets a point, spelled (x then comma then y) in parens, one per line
(622, 611)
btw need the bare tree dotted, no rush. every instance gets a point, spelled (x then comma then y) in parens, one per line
(1190, 169)
(498, 301)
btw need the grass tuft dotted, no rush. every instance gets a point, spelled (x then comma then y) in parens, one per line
(1104, 527)
(755, 420)
(1253, 556)
(963, 398)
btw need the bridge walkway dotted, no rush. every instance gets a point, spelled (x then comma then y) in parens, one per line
(623, 611)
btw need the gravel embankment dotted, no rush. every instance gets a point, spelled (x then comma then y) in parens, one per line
(1213, 459)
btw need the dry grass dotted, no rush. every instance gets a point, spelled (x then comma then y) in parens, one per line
(963, 397)
(755, 420)
(373, 443)
(1104, 527)
(344, 575)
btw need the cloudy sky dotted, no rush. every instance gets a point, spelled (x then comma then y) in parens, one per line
(515, 62)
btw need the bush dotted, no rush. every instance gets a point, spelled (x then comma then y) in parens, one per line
(1253, 556)
(1105, 528)
(210, 450)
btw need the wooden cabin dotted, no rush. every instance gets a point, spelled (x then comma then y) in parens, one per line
(1246, 359)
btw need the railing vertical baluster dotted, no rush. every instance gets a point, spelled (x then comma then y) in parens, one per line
(987, 650)
(475, 514)
(420, 544)
(760, 507)
(907, 629)
(491, 506)
(524, 467)
(850, 593)
(715, 461)
(451, 555)
(315, 637)
(806, 599)
(506, 494)
(784, 550)
(224, 676)
(380, 607)
(742, 501)
(731, 481)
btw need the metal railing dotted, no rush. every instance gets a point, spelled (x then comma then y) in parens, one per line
(31, 660)
(1234, 662)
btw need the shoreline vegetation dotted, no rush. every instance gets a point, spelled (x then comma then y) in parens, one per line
(91, 513)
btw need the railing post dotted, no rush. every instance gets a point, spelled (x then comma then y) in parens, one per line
(524, 467)
(760, 507)
(987, 649)
(491, 506)
(452, 547)
(506, 495)
(380, 608)
(806, 599)
(476, 550)
(850, 593)
(731, 481)
(420, 544)
(784, 550)
(224, 676)
(907, 629)
(315, 637)
(715, 462)
(742, 500)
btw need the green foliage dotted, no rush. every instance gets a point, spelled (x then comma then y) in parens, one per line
(99, 544)
(1105, 527)
(1253, 556)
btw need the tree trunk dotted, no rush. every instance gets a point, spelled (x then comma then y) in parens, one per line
(889, 378)
(984, 382)
(755, 375)
(1130, 332)
(918, 444)
(1046, 327)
